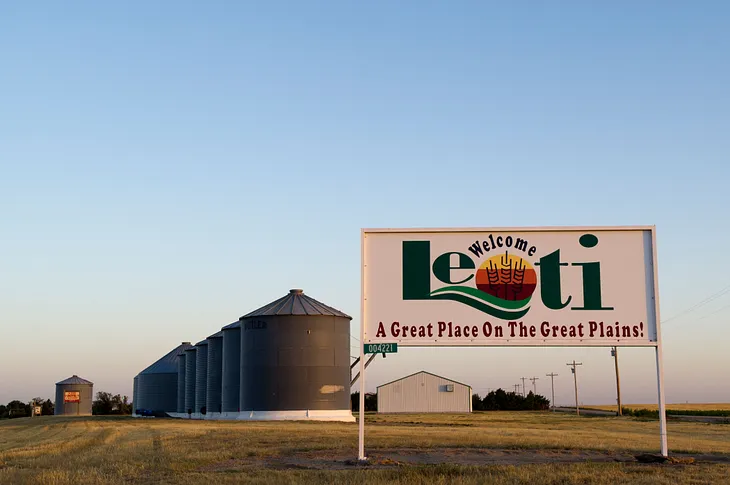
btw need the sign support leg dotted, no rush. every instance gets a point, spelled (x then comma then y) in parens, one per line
(361, 420)
(662, 408)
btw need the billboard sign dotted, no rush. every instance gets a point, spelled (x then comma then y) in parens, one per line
(71, 396)
(593, 286)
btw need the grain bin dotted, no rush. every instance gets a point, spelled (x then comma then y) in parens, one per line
(201, 376)
(213, 402)
(190, 380)
(231, 369)
(181, 379)
(157, 384)
(295, 361)
(74, 397)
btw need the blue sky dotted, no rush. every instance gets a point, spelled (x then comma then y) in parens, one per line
(167, 168)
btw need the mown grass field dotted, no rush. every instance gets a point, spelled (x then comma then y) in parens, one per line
(491, 447)
(678, 407)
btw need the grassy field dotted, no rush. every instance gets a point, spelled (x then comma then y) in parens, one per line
(495, 447)
(679, 407)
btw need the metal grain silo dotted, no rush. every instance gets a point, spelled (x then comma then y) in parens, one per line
(201, 376)
(181, 380)
(190, 380)
(295, 361)
(157, 384)
(231, 369)
(74, 397)
(213, 403)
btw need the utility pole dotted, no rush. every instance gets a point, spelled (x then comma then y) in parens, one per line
(552, 386)
(572, 366)
(614, 353)
(534, 386)
(523, 386)
(517, 386)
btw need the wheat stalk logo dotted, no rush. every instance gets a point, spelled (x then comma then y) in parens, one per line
(504, 286)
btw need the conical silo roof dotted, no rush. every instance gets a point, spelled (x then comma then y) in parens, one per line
(168, 363)
(296, 303)
(74, 379)
(218, 334)
(236, 324)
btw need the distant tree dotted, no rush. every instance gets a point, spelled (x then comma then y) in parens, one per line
(47, 408)
(3, 411)
(512, 401)
(125, 406)
(18, 409)
(103, 404)
(371, 401)
(46, 405)
(107, 403)
(476, 403)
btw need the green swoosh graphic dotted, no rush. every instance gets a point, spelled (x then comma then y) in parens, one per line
(483, 301)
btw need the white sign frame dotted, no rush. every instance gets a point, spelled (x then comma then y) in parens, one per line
(519, 343)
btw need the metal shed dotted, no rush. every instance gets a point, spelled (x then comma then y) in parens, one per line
(213, 402)
(157, 385)
(74, 397)
(295, 361)
(424, 392)
(231, 368)
(201, 376)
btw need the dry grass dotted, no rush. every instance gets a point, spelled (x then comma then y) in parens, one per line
(81, 451)
(723, 406)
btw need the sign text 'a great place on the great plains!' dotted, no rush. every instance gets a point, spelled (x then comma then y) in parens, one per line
(546, 286)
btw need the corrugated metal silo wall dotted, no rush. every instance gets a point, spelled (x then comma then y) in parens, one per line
(81, 408)
(181, 383)
(135, 391)
(215, 369)
(231, 369)
(190, 380)
(295, 363)
(157, 392)
(201, 376)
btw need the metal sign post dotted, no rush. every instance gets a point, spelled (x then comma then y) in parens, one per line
(659, 355)
(361, 420)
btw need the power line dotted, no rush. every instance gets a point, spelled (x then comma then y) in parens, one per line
(707, 300)
(715, 312)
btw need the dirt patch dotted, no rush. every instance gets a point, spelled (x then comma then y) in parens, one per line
(396, 457)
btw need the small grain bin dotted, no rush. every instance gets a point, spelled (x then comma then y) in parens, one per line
(231, 370)
(213, 402)
(190, 380)
(157, 384)
(201, 376)
(74, 397)
(295, 361)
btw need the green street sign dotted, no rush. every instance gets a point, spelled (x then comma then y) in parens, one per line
(381, 348)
